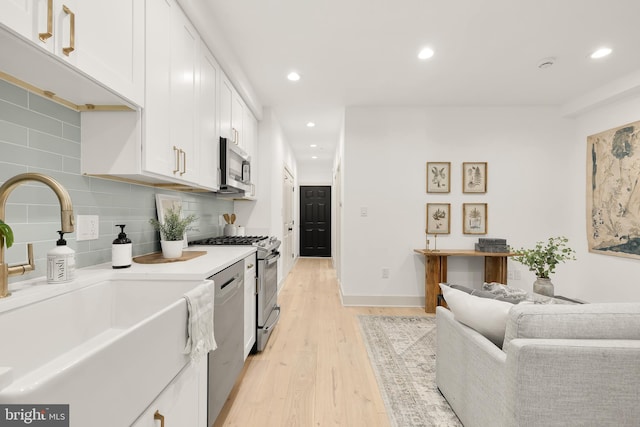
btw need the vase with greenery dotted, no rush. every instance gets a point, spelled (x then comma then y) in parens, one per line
(6, 234)
(172, 231)
(543, 259)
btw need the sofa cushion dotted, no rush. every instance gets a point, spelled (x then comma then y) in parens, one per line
(487, 316)
(485, 293)
(580, 321)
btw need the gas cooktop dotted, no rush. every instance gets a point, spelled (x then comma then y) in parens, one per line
(229, 240)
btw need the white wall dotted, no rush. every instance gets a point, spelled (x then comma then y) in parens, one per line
(310, 173)
(600, 277)
(535, 190)
(264, 216)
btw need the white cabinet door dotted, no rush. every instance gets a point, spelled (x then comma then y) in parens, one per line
(109, 45)
(231, 112)
(185, 68)
(182, 403)
(250, 142)
(209, 140)
(19, 16)
(237, 117)
(226, 100)
(169, 141)
(158, 154)
(105, 39)
(249, 303)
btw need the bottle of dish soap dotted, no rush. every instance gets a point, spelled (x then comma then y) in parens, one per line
(61, 262)
(121, 250)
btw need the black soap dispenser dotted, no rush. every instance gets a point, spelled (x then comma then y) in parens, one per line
(121, 250)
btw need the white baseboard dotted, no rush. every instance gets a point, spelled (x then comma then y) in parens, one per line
(382, 300)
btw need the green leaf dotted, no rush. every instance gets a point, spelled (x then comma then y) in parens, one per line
(7, 233)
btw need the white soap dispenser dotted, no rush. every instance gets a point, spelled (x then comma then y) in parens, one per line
(121, 250)
(61, 262)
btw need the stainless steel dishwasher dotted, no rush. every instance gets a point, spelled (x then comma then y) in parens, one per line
(227, 360)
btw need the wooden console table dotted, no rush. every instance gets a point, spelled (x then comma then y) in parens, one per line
(495, 270)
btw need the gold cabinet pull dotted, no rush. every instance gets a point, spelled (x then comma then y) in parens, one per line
(49, 33)
(72, 31)
(235, 135)
(177, 162)
(184, 162)
(158, 416)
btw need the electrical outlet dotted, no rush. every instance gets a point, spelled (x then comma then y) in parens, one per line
(364, 212)
(87, 227)
(385, 273)
(516, 275)
(510, 275)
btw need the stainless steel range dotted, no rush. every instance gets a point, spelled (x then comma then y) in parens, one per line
(268, 310)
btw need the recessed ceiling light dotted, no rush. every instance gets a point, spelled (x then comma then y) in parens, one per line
(425, 53)
(313, 145)
(601, 53)
(314, 157)
(293, 76)
(310, 124)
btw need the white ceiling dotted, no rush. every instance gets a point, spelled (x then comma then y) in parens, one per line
(364, 52)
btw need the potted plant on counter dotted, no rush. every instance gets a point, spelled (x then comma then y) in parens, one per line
(543, 259)
(172, 230)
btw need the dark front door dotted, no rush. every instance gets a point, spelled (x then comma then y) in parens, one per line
(315, 220)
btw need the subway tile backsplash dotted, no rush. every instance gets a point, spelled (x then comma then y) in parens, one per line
(38, 135)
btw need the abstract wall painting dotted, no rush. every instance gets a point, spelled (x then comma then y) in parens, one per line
(613, 191)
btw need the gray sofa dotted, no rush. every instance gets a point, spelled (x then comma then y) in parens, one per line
(561, 365)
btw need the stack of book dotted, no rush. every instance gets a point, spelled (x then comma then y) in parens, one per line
(492, 245)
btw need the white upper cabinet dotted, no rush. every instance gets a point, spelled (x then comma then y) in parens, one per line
(110, 44)
(102, 39)
(231, 112)
(209, 139)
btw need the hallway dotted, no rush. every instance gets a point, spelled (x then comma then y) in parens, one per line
(315, 370)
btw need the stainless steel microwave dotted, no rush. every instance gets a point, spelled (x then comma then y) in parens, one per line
(235, 168)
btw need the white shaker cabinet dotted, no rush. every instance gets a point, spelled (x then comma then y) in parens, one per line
(163, 144)
(208, 122)
(102, 39)
(182, 403)
(249, 303)
(172, 47)
(250, 141)
(231, 112)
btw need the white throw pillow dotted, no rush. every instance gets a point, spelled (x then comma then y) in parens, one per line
(486, 316)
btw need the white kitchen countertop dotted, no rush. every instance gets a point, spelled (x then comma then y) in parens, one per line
(216, 259)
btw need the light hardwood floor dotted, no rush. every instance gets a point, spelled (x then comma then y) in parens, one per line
(315, 370)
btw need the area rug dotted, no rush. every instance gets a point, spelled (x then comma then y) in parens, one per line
(402, 353)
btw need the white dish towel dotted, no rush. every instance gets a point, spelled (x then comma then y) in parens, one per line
(200, 303)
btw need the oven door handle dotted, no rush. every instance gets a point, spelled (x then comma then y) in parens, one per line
(267, 328)
(273, 258)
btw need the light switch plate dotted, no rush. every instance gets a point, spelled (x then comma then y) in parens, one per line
(87, 227)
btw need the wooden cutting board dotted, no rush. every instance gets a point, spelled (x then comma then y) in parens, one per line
(156, 257)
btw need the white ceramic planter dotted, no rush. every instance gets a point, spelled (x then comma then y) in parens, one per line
(171, 249)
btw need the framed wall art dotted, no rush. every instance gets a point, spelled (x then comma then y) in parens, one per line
(613, 191)
(438, 177)
(438, 218)
(165, 202)
(474, 218)
(474, 177)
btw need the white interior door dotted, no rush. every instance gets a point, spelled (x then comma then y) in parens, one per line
(288, 222)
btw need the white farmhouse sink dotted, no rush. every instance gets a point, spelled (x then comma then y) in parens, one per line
(106, 349)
